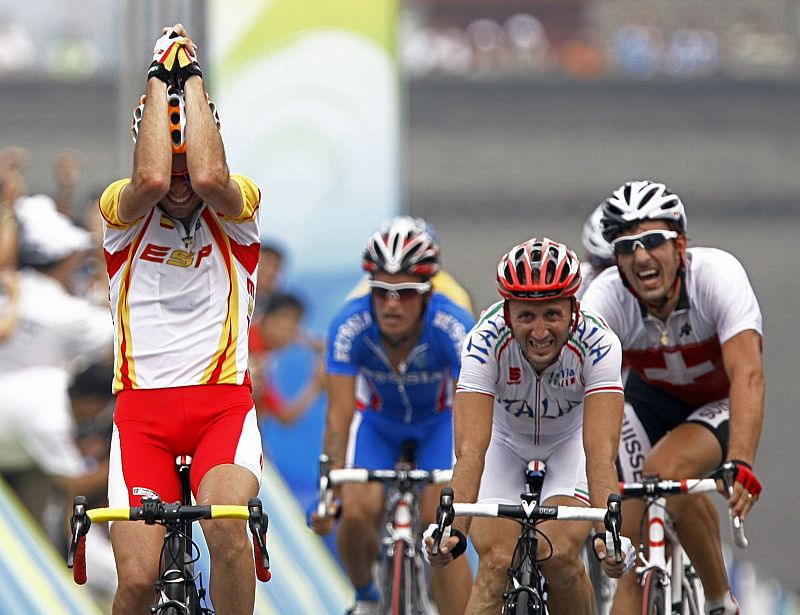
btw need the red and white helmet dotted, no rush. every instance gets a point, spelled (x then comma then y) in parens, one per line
(537, 270)
(403, 245)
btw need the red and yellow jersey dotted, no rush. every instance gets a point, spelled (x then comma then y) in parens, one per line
(181, 299)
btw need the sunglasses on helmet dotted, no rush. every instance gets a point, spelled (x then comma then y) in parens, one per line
(404, 291)
(649, 240)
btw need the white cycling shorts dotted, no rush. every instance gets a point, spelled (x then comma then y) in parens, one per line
(503, 477)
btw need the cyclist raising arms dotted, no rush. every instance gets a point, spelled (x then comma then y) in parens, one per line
(690, 327)
(540, 378)
(404, 340)
(181, 242)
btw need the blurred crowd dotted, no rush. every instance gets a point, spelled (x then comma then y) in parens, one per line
(640, 45)
(56, 362)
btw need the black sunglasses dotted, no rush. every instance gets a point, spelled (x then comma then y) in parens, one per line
(649, 240)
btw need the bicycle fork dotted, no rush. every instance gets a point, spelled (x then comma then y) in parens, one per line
(657, 532)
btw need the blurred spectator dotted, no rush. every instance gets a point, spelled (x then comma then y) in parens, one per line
(17, 50)
(92, 279)
(756, 45)
(490, 45)
(277, 328)
(67, 172)
(268, 276)
(693, 51)
(639, 46)
(530, 48)
(583, 57)
(56, 332)
(445, 50)
(13, 161)
(92, 410)
(9, 302)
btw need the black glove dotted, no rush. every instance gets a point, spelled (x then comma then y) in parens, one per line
(164, 53)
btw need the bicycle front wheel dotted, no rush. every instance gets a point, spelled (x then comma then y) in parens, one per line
(654, 599)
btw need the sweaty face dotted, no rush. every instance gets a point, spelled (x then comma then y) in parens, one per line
(540, 328)
(397, 313)
(651, 273)
(181, 200)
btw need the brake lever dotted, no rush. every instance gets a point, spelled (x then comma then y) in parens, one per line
(445, 516)
(613, 523)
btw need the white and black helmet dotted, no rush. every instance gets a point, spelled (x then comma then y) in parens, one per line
(638, 201)
(592, 237)
(403, 245)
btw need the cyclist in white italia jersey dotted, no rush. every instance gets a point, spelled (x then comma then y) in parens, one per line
(540, 378)
(690, 327)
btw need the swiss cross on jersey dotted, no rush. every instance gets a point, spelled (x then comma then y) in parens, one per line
(691, 372)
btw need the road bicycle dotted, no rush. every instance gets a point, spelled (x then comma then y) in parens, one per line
(525, 592)
(669, 581)
(179, 591)
(401, 568)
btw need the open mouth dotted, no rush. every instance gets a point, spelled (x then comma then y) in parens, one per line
(541, 347)
(180, 200)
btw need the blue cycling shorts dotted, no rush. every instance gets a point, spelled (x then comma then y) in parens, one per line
(376, 443)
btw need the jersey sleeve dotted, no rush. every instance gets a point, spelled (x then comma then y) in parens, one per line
(729, 297)
(602, 363)
(251, 198)
(603, 296)
(481, 351)
(452, 322)
(343, 339)
(109, 206)
(86, 331)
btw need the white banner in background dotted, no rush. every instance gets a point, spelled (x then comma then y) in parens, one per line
(308, 95)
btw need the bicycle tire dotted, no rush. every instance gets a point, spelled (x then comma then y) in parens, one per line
(653, 595)
(397, 599)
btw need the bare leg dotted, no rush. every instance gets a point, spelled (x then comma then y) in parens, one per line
(494, 540)
(233, 582)
(357, 539)
(136, 548)
(569, 590)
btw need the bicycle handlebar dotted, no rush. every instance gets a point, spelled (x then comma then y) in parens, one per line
(448, 510)
(330, 477)
(654, 487)
(155, 511)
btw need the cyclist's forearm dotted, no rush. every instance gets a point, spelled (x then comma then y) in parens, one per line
(465, 483)
(746, 418)
(337, 431)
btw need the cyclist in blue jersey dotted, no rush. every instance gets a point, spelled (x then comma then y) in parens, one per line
(392, 359)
